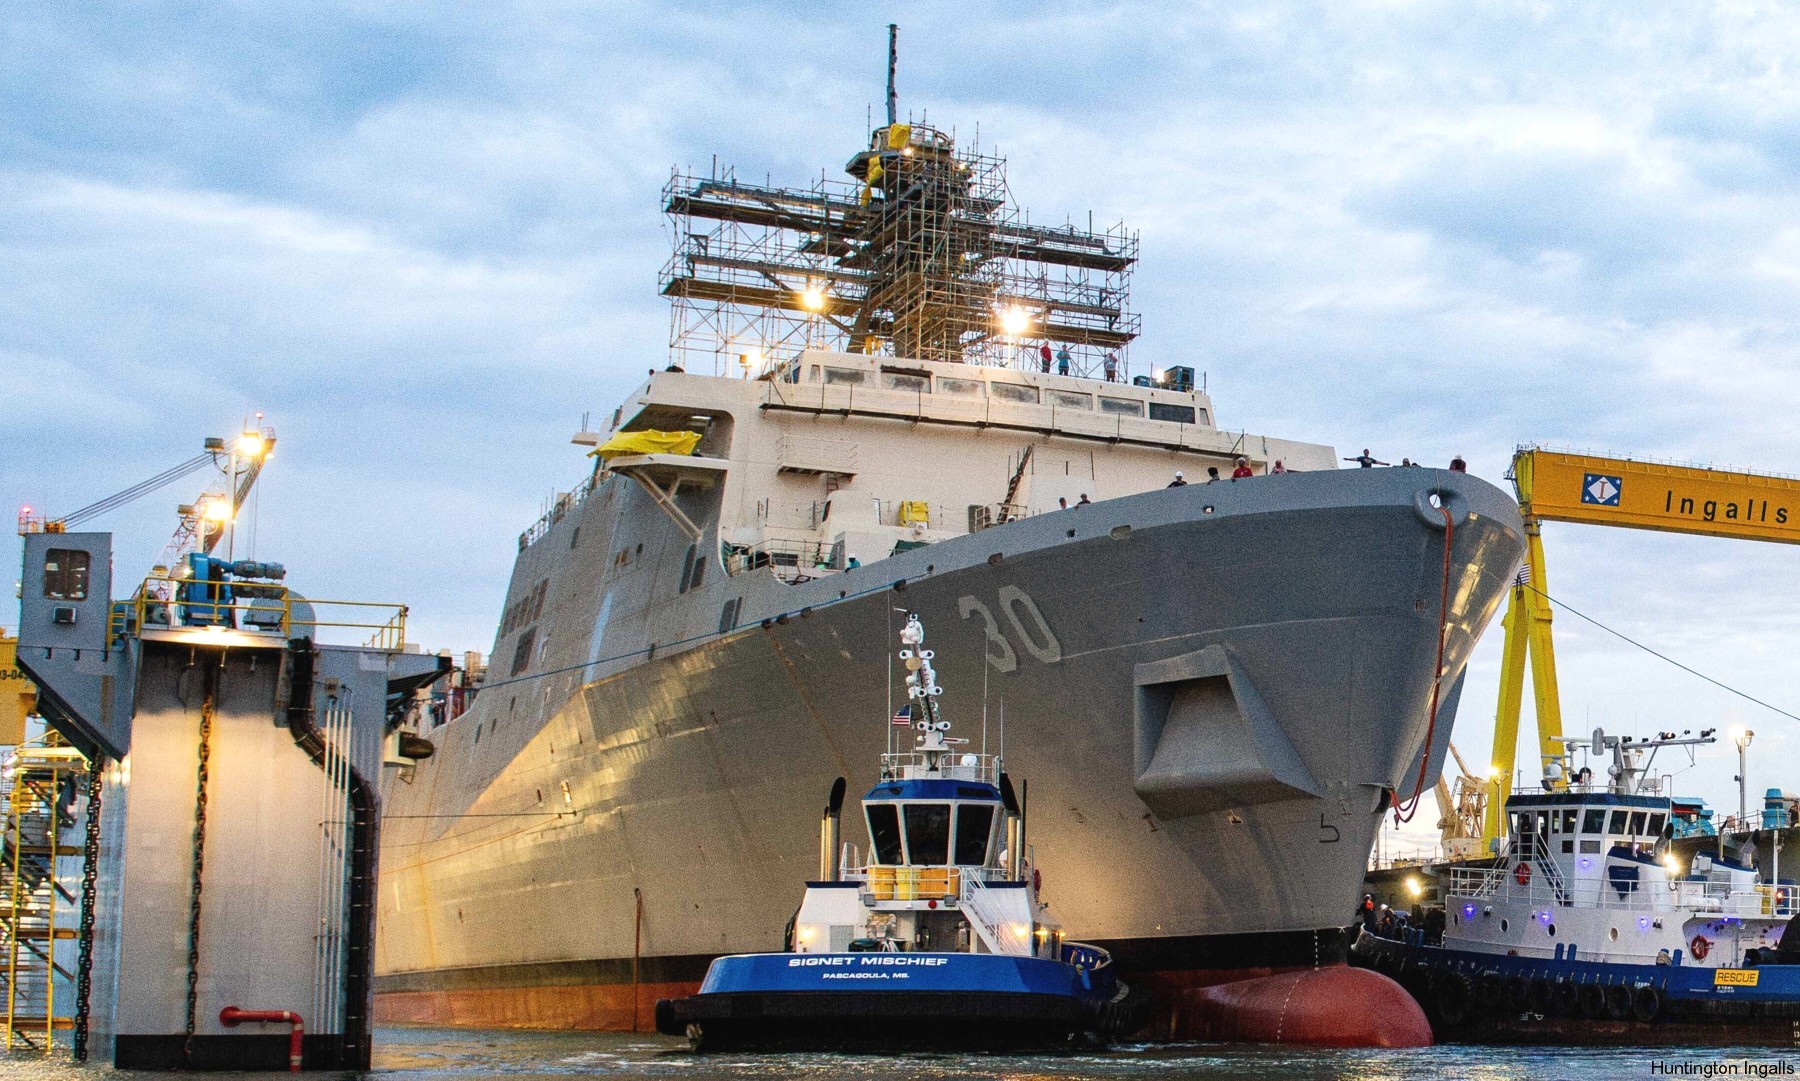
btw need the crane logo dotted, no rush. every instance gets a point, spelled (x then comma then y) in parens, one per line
(1601, 490)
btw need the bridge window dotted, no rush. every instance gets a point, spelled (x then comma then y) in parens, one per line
(1618, 822)
(1070, 400)
(66, 574)
(928, 833)
(1181, 414)
(845, 377)
(1657, 822)
(884, 832)
(1595, 822)
(969, 387)
(974, 821)
(1013, 392)
(1124, 407)
(912, 384)
(1637, 822)
(1568, 820)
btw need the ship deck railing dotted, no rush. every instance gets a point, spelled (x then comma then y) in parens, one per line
(1474, 885)
(950, 766)
(918, 882)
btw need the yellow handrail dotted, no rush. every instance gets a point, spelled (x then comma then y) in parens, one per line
(159, 604)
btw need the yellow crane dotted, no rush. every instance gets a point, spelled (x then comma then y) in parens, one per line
(1557, 486)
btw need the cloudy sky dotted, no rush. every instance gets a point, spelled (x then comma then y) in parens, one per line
(424, 239)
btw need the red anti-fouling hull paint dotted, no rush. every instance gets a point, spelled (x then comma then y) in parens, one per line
(1334, 1006)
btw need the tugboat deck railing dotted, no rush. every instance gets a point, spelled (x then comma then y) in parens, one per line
(1695, 895)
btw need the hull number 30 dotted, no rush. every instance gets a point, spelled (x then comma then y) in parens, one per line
(1028, 625)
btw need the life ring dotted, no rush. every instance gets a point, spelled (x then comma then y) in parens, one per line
(1699, 947)
(1522, 873)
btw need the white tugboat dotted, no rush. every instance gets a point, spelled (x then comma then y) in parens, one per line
(1591, 928)
(936, 938)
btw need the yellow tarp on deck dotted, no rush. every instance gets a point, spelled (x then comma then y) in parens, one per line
(647, 442)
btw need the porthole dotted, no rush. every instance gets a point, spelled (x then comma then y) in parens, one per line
(1503, 924)
(1552, 930)
(1613, 934)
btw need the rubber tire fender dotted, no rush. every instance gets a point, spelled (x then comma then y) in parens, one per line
(1518, 994)
(1592, 1001)
(666, 1021)
(1618, 1002)
(1539, 996)
(1646, 1004)
(1567, 998)
(1451, 995)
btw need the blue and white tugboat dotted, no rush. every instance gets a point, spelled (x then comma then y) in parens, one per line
(1591, 928)
(935, 938)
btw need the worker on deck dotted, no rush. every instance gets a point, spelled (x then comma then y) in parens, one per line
(1365, 459)
(1212, 474)
(1111, 366)
(1062, 361)
(1178, 482)
(1243, 470)
(1457, 465)
(1044, 357)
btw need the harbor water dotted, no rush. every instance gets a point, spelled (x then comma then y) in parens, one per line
(420, 1054)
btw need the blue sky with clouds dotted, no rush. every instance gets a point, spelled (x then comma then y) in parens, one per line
(424, 238)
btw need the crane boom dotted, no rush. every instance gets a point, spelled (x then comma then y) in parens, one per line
(1558, 486)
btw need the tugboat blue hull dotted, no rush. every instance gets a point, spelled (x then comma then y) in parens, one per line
(881, 1001)
(1473, 997)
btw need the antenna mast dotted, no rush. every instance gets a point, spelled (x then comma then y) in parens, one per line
(893, 61)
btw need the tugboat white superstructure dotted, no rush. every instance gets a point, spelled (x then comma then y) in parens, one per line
(1589, 926)
(938, 939)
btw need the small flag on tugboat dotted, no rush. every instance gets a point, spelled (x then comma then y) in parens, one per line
(903, 717)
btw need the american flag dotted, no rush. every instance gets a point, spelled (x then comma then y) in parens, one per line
(1523, 578)
(903, 717)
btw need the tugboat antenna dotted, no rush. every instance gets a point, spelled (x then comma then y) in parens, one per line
(893, 62)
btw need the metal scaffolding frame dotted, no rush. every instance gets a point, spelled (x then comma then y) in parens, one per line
(920, 254)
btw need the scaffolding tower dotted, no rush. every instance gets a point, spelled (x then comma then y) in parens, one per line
(36, 907)
(920, 254)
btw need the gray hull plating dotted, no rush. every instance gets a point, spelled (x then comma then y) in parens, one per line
(1208, 690)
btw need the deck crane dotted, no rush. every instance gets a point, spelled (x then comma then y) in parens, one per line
(31, 521)
(1557, 486)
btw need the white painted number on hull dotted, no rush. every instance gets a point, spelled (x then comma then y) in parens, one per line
(1028, 624)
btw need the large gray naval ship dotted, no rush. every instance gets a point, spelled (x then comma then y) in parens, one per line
(893, 394)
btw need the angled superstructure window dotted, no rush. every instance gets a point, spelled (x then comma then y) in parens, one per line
(66, 574)
(974, 822)
(884, 832)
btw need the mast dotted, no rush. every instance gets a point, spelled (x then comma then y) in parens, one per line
(893, 100)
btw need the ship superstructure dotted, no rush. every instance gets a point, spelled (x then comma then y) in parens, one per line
(1224, 684)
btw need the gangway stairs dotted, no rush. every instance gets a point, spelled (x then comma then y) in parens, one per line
(36, 910)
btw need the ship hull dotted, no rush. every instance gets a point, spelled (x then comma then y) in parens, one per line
(1212, 692)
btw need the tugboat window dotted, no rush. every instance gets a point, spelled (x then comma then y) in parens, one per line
(1657, 822)
(973, 822)
(1618, 822)
(1568, 820)
(928, 833)
(1637, 822)
(66, 574)
(1595, 822)
(884, 832)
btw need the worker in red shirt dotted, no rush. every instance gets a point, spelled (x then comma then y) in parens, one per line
(1044, 355)
(1242, 470)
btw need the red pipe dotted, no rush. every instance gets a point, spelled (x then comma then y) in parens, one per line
(232, 1017)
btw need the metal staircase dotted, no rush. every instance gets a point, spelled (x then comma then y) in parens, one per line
(36, 909)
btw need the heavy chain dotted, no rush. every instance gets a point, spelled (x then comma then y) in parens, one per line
(90, 870)
(193, 958)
